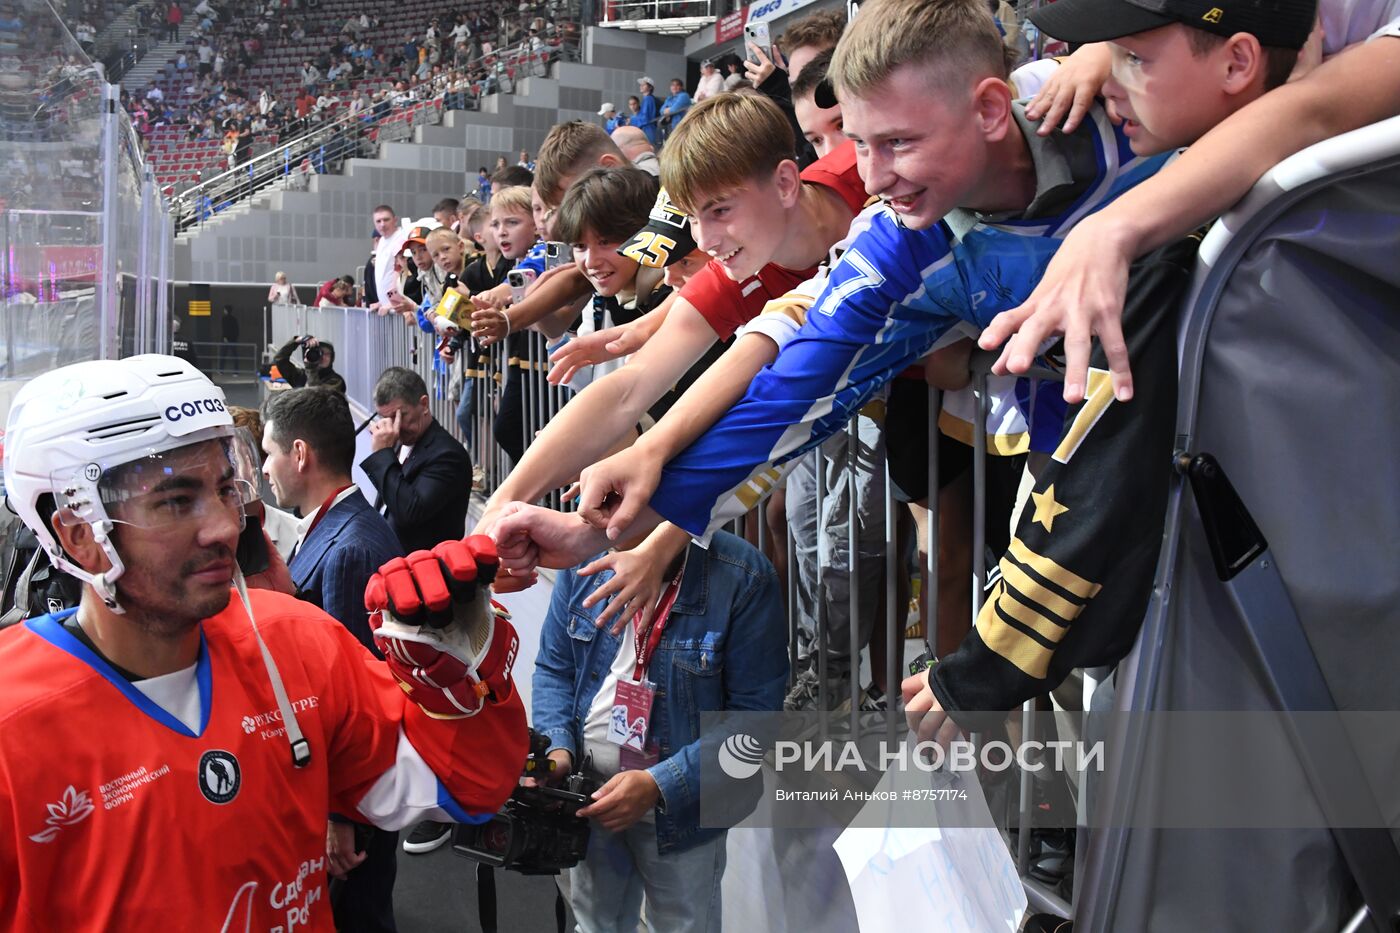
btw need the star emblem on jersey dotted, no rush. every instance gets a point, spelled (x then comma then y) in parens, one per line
(74, 807)
(219, 776)
(1046, 508)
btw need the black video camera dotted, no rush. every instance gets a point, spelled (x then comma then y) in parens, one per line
(538, 831)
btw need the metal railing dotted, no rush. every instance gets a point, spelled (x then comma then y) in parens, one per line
(324, 146)
(617, 12)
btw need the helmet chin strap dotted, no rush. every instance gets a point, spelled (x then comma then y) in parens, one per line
(301, 749)
(105, 583)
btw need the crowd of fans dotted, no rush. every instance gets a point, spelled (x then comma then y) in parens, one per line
(774, 308)
(218, 89)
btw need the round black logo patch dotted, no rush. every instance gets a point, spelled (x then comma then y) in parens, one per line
(219, 777)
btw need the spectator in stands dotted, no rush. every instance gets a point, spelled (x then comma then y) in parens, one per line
(638, 149)
(483, 184)
(821, 126)
(646, 844)
(174, 16)
(310, 75)
(309, 442)
(735, 79)
(228, 340)
(205, 53)
(510, 177)
(418, 279)
(634, 106)
(600, 212)
(281, 291)
(85, 34)
(710, 83)
(500, 164)
(1356, 85)
(611, 120)
(445, 212)
(320, 369)
(392, 233)
(525, 161)
(182, 62)
(647, 110)
(673, 110)
(304, 104)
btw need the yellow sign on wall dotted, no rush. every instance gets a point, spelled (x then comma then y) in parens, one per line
(199, 309)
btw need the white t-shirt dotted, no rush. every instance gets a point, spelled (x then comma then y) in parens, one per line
(175, 693)
(385, 279)
(1347, 22)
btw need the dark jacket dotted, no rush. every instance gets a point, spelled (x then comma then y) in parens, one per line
(297, 377)
(425, 498)
(332, 565)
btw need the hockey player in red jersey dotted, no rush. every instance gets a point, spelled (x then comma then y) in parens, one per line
(170, 750)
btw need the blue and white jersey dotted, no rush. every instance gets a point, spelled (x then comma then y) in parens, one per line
(534, 259)
(894, 293)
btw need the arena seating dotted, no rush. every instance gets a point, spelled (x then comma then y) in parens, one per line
(180, 162)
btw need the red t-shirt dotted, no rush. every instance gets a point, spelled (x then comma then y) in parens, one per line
(726, 304)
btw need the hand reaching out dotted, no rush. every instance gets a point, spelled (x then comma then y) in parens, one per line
(490, 325)
(1081, 296)
(589, 349)
(635, 586)
(613, 491)
(1070, 91)
(528, 536)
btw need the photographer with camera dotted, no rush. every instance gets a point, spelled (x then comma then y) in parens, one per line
(714, 640)
(319, 357)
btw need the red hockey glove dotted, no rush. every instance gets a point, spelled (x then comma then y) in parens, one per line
(450, 647)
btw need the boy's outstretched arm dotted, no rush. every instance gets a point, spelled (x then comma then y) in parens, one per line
(1082, 292)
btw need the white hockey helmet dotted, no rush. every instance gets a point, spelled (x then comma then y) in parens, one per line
(69, 430)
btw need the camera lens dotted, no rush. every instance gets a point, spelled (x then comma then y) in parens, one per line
(312, 355)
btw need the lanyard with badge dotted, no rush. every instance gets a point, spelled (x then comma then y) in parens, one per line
(630, 723)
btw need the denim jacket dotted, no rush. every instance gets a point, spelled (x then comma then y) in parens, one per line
(724, 648)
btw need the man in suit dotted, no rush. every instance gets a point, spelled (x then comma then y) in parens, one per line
(423, 475)
(309, 442)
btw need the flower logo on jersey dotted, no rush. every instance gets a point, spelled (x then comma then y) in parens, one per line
(74, 807)
(249, 725)
(219, 776)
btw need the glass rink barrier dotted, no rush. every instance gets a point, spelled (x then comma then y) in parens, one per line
(85, 255)
(1274, 591)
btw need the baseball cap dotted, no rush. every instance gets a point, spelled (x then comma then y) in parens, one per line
(665, 240)
(418, 235)
(1275, 23)
(707, 63)
(606, 109)
(641, 81)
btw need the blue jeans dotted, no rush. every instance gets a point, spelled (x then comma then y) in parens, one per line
(466, 409)
(681, 888)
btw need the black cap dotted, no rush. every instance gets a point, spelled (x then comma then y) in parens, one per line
(665, 240)
(1281, 24)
